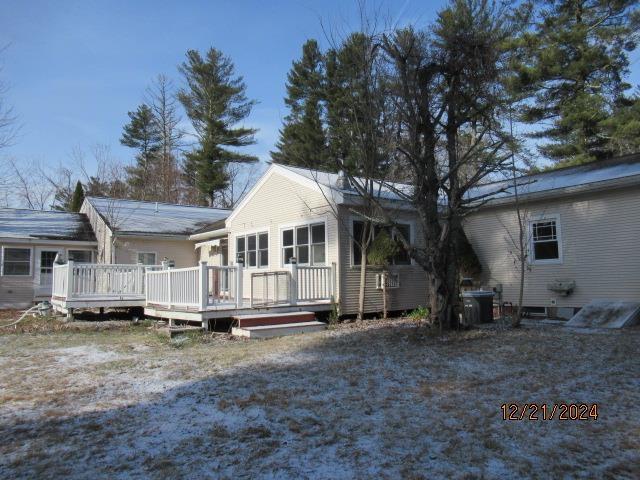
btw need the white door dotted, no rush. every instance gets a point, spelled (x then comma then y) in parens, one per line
(44, 269)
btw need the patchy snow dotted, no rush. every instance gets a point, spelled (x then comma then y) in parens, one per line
(37, 224)
(365, 400)
(138, 217)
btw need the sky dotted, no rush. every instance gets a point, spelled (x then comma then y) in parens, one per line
(75, 68)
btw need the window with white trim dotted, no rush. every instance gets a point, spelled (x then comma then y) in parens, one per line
(83, 256)
(16, 261)
(253, 250)
(545, 241)
(146, 258)
(307, 243)
(400, 258)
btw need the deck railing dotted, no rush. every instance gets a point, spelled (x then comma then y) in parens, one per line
(315, 283)
(90, 280)
(270, 288)
(195, 287)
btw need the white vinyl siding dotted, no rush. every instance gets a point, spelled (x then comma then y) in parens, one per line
(598, 244)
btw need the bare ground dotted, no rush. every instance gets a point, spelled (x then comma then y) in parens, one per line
(383, 400)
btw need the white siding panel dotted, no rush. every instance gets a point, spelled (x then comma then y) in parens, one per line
(600, 245)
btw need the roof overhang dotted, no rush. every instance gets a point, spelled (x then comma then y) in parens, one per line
(220, 233)
(152, 236)
(48, 241)
(592, 187)
(209, 243)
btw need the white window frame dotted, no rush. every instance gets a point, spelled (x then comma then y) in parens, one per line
(412, 235)
(251, 233)
(305, 223)
(20, 248)
(551, 261)
(155, 255)
(85, 250)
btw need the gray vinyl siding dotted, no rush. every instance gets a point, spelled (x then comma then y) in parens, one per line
(279, 202)
(600, 235)
(413, 282)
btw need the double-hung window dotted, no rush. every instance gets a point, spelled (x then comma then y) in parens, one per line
(84, 256)
(253, 250)
(16, 261)
(545, 241)
(146, 258)
(307, 243)
(400, 258)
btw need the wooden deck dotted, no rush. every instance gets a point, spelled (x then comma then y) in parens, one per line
(194, 294)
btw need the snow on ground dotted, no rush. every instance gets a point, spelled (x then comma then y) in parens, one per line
(360, 401)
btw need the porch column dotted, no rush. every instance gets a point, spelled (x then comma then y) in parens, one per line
(203, 295)
(69, 279)
(293, 292)
(239, 284)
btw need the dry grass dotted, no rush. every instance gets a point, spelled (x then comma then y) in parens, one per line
(373, 399)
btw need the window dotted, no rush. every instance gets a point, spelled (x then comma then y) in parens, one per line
(545, 241)
(16, 261)
(306, 243)
(84, 256)
(400, 258)
(147, 258)
(253, 250)
(46, 261)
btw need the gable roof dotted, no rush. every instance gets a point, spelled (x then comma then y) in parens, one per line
(134, 217)
(44, 225)
(560, 181)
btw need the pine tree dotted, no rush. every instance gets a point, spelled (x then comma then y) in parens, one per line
(77, 199)
(302, 137)
(215, 101)
(575, 62)
(142, 133)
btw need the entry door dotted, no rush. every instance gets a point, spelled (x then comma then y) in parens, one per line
(44, 269)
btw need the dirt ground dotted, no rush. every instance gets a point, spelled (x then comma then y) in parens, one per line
(368, 400)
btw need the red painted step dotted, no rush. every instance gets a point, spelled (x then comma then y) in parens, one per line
(259, 320)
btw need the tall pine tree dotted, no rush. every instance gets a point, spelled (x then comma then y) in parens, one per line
(142, 133)
(302, 137)
(77, 199)
(575, 62)
(215, 101)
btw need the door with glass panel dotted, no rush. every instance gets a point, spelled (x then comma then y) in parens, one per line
(44, 269)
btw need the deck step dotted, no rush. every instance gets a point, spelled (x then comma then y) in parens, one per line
(265, 319)
(269, 331)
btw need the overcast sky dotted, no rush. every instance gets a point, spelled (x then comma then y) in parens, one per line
(75, 68)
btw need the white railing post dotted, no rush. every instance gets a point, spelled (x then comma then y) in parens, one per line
(293, 293)
(332, 292)
(239, 293)
(203, 296)
(69, 279)
(168, 287)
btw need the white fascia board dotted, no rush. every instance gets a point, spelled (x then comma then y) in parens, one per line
(151, 236)
(221, 232)
(38, 241)
(208, 243)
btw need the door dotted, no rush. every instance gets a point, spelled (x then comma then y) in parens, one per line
(44, 269)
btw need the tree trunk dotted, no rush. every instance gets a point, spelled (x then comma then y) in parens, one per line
(363, 284)
(384, 295)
